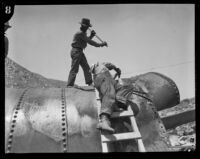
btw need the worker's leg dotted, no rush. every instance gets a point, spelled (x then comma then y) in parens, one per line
(76, 58)
(108, 97)
(86, 70)
(108, 100)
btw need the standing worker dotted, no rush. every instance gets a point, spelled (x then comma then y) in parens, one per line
(112, 94)
(6, 26)
(79, 43)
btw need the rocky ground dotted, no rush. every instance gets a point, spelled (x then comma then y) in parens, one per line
(182, 137)
(17, 76)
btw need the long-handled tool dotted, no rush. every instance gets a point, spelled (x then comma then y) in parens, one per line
(96, 36)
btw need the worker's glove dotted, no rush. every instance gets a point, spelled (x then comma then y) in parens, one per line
(118, 72)
(93, 33)
(104, 44)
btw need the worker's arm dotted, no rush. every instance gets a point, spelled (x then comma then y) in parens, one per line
(92, 34)
(93, 43)
(110, 66)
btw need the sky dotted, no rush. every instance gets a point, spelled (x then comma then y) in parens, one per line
(141, 38)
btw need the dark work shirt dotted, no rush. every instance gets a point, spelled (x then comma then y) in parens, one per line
(80, 40)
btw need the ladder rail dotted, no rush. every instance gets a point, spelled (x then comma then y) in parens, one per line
(105, 139)
(135, 128)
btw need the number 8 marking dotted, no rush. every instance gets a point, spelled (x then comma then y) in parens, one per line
(8, 9)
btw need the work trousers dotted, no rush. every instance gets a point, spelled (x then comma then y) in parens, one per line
(104, 83)
(78, 58)
(112, 94)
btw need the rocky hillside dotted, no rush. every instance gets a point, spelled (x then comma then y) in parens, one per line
(17, 76)
(182, 137)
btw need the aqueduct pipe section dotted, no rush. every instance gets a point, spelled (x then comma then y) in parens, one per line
(64, 120)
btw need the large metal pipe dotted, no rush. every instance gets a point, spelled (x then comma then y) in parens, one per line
(162, 89)
(48, 120)
(34, 121)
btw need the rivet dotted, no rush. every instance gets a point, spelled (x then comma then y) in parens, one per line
(63, 129)
(10, 139)
(63, 111)
(12, 130)
(64, 134)
(64, 140)
(63, 114)
(13, 126)
(63, 124)
(63, 119)
(64, 144)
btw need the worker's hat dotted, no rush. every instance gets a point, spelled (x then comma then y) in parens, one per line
(7, 25)
(85, 22)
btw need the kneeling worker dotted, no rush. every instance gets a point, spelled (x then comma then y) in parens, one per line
(112, 93)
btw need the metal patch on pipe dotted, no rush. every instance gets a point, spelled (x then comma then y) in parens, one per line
(38, 126)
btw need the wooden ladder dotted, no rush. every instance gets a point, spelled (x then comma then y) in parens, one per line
(135, 134)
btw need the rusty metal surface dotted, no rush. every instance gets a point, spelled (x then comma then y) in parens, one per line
(82, 119)
(151, 127)
(10, 109)
(161, 89)
(64, 120)
(51, 120)
(38, 123)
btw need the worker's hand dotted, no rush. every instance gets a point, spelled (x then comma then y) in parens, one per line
(105, 44)
(118, 72)
(93, 33)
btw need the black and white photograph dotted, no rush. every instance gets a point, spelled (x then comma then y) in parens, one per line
(100, 78)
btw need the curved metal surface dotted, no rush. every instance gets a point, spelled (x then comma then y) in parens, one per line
(151, 127)
(64, 120)
(51, 120)
(161, 89)
(82, 120)
(11, 111)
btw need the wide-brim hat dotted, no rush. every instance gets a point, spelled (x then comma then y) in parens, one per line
(7, 25)
(85, 22)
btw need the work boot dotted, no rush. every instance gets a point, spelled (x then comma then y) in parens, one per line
(105, 124)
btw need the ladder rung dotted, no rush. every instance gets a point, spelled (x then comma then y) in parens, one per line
(122, 136)
(122, 114)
